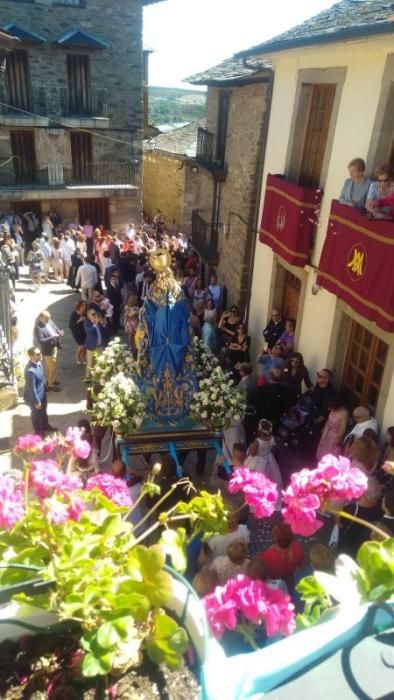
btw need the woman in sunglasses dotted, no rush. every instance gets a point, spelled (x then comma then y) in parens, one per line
(381, 189)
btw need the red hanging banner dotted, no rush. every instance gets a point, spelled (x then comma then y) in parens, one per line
(357, 263)
(289, 219)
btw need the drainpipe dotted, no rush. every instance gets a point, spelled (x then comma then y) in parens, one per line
(259, 183)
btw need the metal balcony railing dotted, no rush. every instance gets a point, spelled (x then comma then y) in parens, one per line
(33, 100)
(206, 150)
(88, 103)
(18, 175)
(204, 238)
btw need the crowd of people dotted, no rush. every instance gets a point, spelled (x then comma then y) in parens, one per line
(287, 412)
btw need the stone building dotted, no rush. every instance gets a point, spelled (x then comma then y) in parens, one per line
(71, 112)
(171, 175)
(228, 181)
(324, 262)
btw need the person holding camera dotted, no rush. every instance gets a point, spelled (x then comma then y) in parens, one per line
(48, 336)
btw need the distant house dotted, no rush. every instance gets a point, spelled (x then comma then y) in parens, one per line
(170, 175)
(227, 185)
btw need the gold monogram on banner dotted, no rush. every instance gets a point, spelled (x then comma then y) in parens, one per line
(281, 219)
(356, 262)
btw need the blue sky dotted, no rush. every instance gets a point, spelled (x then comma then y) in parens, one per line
(191, 35)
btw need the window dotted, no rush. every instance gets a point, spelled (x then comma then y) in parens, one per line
(81, 154)
(221, 135)
(364, 367)
(315, 141)
(78, 70)
(24, 152)
(96, 210)
(17, 80)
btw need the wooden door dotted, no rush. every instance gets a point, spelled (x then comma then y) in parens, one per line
(81, 155)
(364, 366)
(320, 110)
(18, 82)
(24, 160)
(78, 71)
(291, 296)
(96, 210)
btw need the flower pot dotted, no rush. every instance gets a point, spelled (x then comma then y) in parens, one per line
(26, 614)
(255, 674)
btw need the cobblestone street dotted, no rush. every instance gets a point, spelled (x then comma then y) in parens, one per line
(65, 407)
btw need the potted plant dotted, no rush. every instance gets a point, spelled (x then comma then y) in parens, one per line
(107, 614)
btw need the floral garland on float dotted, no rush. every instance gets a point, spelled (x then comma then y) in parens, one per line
(217, 403)
(115, 359)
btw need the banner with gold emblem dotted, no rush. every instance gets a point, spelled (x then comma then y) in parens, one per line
(357, 263)
(289, 219)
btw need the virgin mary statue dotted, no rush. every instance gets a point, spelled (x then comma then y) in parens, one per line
(163, 338)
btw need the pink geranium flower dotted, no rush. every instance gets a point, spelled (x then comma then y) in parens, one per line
(310, 490)
(29, 443)
(11, 502)
(260, 493)
(243, 599)
(79, 447)
(114, 489)
(45, 476)
(57, 510)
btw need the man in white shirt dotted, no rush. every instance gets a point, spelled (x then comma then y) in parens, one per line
(363, 421)
(68, 247)
(88, 231)
(86, 279)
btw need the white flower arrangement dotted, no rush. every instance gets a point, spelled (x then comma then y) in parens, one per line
(120, 405)
(205, 360)
(217, 402)
(116, 358)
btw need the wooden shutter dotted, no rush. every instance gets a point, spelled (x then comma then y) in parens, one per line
(24, 152)
(81, 154)
(18, 83)
(291, 296)
(321, 103)
(221, 136)
(78, 69)
(364, 366)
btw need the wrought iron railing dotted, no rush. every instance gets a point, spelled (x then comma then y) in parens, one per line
(6, 359)
(34, 101)
(206, 150)
(204, 237)
(89, 103)
(19, 175)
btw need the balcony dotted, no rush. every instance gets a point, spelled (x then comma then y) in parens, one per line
(205, 154)
(290, 215)
(87, 105)
(19, 107)
(204, 239)
(357, 263)
(48, 176)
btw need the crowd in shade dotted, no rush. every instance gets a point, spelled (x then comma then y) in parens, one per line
(289, 412)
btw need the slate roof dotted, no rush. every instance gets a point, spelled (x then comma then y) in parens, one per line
(230, 70)
(79, 38)
(181, 141)
(20, 32)
(348, 19)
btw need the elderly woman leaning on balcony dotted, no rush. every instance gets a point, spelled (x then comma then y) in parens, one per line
(355, 188)
(381, 190)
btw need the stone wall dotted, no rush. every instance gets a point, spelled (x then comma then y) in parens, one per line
(238, 199)
(117, 68)
(239, 190)
(164, 185)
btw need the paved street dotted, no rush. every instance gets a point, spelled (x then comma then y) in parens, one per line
(65, 407)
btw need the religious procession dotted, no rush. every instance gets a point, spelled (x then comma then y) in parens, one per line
(196, 358)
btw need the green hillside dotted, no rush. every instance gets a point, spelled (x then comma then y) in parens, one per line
(169, 105)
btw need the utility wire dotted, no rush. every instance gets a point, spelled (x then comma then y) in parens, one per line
(66, 126)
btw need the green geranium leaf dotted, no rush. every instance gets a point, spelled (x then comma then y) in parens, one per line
(136, 604)
(168, 642)
(108, 635)
(156, 584)
(97, 665)
(173, 542)
(310, 590)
